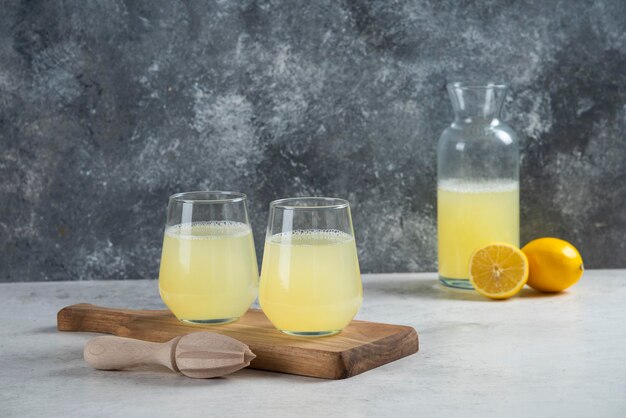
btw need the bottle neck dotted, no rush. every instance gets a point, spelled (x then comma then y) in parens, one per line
(476, 103)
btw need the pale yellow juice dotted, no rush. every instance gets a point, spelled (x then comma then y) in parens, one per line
(208, 270)
(310, 281)
(472, 214)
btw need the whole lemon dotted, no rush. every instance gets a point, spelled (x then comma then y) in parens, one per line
(554, 264)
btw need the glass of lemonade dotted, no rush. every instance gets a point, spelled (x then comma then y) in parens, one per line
(209, 272)
(310, 278)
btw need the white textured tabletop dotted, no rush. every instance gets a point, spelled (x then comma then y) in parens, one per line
(533, 355)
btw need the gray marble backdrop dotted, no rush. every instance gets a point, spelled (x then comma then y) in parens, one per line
(108, 107)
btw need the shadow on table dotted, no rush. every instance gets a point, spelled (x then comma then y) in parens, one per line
(427, 289)
(44, 330)
(529, 292)
(423, 289)
(150, 375)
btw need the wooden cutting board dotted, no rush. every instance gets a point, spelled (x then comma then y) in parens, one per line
(361, 346)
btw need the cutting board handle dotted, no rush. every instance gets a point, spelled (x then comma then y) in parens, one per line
(86, 317)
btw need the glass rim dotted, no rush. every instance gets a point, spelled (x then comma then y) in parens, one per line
(475, 85)
(226, 197)
(332, 203)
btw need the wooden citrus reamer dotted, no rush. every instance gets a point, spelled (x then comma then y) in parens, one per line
(199, 354)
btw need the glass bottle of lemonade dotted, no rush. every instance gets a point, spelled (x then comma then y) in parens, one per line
(477, 180)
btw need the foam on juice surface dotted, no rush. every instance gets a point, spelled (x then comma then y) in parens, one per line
(208, 230)
(478, 186)
(311, 237)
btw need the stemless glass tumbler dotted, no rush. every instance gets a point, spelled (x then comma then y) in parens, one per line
(209, 271)
(310, 278)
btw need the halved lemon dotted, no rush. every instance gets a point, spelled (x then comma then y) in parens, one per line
(498, 271)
